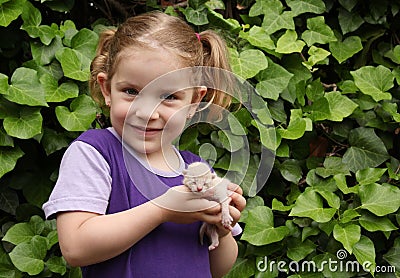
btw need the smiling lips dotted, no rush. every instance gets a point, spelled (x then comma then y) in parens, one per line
(147, 131)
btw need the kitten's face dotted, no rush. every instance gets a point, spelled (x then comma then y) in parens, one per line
(200, 183)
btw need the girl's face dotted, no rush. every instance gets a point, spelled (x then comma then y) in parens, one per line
(150, 119)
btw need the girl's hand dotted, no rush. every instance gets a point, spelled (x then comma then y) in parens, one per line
(180, 205)
(238, 203)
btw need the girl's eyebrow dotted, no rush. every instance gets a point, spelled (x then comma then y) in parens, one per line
(126, 83)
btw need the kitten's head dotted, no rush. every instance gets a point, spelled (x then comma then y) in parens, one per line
(198, 177)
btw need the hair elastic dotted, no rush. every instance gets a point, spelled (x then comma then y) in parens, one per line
(198, 36)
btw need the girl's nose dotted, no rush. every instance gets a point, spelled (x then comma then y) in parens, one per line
(146, 110)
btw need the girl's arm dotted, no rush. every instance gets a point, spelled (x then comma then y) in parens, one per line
(224, 256)
(87, 238)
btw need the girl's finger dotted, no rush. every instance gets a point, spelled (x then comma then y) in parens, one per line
(235, 188)
(238, 201)
(211, 218)
(212, 210)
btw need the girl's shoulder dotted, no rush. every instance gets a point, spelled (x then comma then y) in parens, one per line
(95, 134)
(190, 157)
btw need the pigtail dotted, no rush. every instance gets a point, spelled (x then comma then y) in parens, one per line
(99, 64)
(215, 54)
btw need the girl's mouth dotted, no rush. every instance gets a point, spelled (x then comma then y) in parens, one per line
(147, 131)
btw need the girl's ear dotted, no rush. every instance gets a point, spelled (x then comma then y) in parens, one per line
(199, 94)
(105, 90)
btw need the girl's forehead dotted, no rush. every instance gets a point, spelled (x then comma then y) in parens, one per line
(157, 66)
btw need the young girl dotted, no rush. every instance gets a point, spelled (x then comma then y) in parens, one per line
(105, 224)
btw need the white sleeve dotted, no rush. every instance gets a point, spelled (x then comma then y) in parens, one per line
(83, 184)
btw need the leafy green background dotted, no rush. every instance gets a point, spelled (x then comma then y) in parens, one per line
(328, 72)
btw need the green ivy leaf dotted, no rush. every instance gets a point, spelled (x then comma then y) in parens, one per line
(235, 125)
(266, 7)
(317, 182)
(8, 158)
(26, 125)
(5, 139)
(306, 6)
(81, 114)
(374, 81)
(32, 19)
(380, 199)
(25, 88)
(230, 141)
(317, 56)
(340, 106)
(348, 235)
(37, 224)
(393, 255)
(373, 223)
(217, 19)
(394, 54)
(364, 251)
(69, 30)
(288, 43)
(53, 141)
(260, 230)
(44, 54)
(57, 265)
(55, 93)
(348, 215)
(273, 22)
(318, 32)
(309, 231)
(8, 200)
(341, 183)
(85, 42)
(369, 175)
(241, 268)
(3, 83)
(332, 166)
(345, 49)
(295, 129)
(273, 80)
(319, 110)
(270, 138)
(279, 206)
(349, 21)
(298, 250)
(28, 256)
(290, 169)
(367, 150)
(10, 11)
(52, 237)
(197, 17)
(74, 64)
(258, 37)
(310, 204)
(59, 6)
(248, 63)
(19, 233)
(332, 199)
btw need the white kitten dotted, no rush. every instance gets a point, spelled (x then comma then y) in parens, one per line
(199, 179)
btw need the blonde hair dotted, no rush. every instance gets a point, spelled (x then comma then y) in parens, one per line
(172, 33)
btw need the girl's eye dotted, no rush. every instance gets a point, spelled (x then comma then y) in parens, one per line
(132, 92)
(168, 97)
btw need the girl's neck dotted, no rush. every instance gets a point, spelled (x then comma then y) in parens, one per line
(166, 161)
